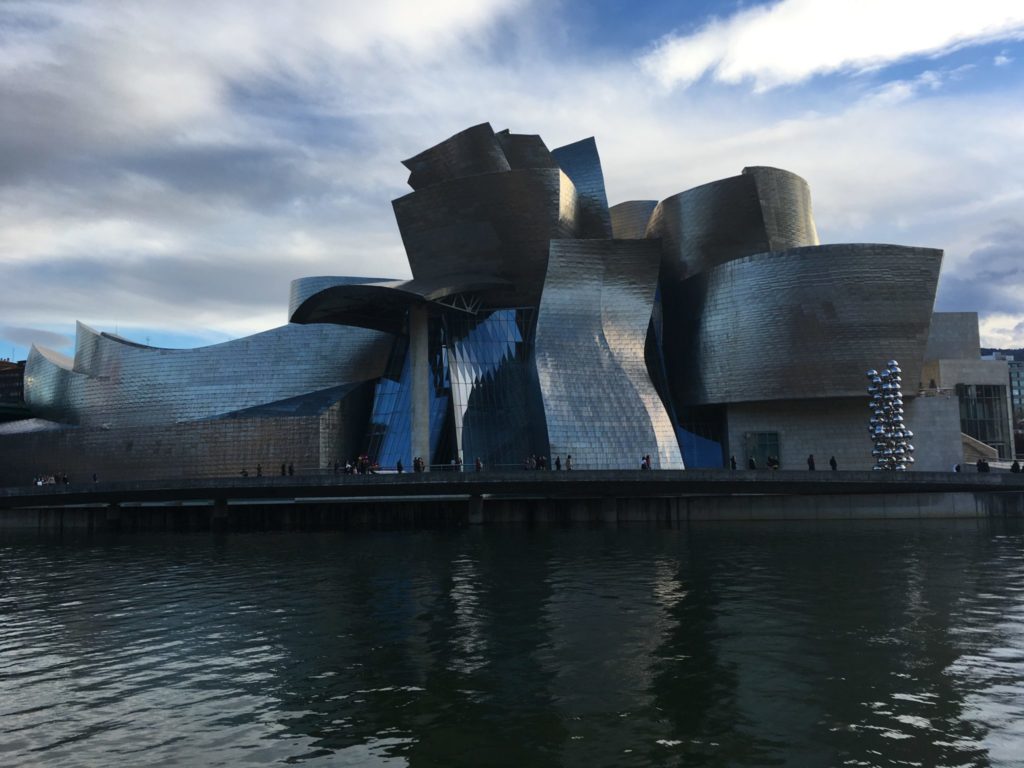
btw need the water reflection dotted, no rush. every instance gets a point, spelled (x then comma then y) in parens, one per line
(832, 644)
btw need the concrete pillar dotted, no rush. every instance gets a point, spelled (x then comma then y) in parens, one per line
(610, 510)
(219, 515)
(419, 370)
(476, 510)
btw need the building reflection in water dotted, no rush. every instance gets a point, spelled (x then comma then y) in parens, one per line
(719, 645)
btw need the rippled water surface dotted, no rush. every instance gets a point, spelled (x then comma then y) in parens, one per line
(763, 644)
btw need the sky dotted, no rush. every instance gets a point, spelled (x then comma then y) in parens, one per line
(167, 167)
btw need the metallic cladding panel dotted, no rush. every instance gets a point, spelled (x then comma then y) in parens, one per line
(525, 151)
(599, 402)
(384, 306)
(708, 225)
(205, 448)
(305, 287)
(470, 152)
(786, 207)
(493, 227)
(630, 219)
(49, 384)
(582, 164)
(803, 323)
(129, 384)
(764, 209)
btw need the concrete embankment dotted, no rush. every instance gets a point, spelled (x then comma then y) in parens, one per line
(445, 499)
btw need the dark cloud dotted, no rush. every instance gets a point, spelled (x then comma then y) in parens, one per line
(991, 279)
(160, 291)
(25, 337)
(257, 178)
(172, 280)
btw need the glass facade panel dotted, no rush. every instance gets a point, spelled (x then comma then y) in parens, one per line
(983, 415)
(390, 432)
(701, 434)
(759, 446)
(493, 395)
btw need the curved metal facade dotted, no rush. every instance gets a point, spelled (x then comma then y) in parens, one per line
(526, 329)
(582, 165)
(495, 226)
(471, 152)
(763, 209)
(800, 323)
(304, 288)
(525, 151)
(112, 382)
(599, 402)
(785, 200)
(630, 219)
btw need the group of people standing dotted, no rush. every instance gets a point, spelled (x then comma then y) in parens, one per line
(773, 463)
(541, 462)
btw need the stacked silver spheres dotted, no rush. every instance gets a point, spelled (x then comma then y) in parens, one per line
(892, 437)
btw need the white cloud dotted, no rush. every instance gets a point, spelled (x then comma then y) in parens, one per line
(792, 40)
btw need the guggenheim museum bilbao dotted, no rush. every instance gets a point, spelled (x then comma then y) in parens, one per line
(540, 321)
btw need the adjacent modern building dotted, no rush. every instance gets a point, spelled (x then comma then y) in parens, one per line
(954, 364)
(538, 321)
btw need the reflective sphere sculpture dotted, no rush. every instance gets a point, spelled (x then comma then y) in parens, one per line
(892, 449)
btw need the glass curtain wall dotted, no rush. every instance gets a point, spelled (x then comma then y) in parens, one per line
(492, 394)
(983, 415)
(483, 399)
(390, 432)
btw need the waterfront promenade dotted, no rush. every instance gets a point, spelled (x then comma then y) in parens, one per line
(514, 496)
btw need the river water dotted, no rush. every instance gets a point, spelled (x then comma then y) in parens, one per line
(817, 644)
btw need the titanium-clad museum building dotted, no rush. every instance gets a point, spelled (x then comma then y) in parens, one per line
(538, 320)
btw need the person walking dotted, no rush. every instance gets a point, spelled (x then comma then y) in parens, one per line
(810, 462)
(833, 463)
(399, 466)
(259, 470)
(751, 463)
(558, 463)
(732, 462)
(568, 463)
(478, 465)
